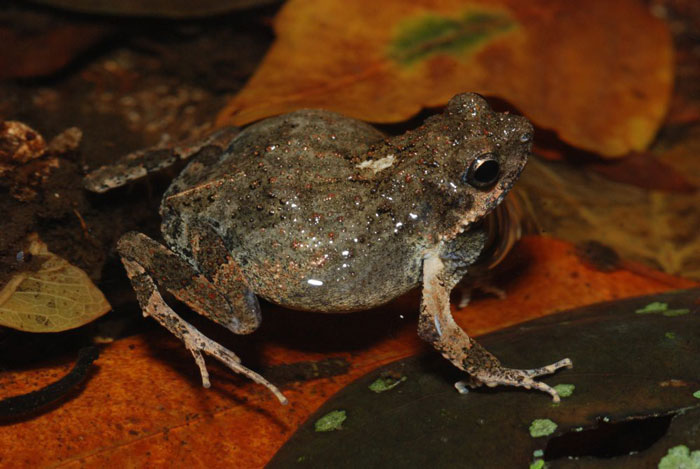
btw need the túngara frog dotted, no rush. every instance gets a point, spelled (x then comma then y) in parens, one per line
(319, 212)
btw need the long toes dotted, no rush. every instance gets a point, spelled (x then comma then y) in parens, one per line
(225, 356)
(527, 382)
(524, 378)
(549, 369)
(542, 387)
(462, 387)
(199, 360)
(229, 359)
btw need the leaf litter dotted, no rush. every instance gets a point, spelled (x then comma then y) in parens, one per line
(56, 297)
(657, 228)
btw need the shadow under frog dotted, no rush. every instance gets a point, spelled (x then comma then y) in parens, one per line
(316, 211)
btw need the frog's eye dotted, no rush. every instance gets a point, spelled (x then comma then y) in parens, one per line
(483, 171)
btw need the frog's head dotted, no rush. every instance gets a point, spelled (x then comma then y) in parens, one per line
(479, 154)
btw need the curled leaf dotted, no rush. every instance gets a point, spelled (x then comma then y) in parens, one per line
(56, 297)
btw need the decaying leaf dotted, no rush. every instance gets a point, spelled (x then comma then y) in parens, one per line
(56, 297)
(600, 76)
(655, 227)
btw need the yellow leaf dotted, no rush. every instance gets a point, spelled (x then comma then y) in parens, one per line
(57, 297)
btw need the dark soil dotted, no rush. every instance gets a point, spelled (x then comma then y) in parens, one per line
(138, 83)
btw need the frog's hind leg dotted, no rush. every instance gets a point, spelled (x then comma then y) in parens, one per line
(437, 326)
(144, 259)
(140, 163)
(214, 261)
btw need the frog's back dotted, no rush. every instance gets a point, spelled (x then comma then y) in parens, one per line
(306, 142)
(289, 162)
(279, 196)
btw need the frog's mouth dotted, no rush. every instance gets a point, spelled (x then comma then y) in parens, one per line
(481, 209)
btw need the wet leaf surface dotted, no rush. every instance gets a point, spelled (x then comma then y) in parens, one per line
(55, 297)
(627, 373)
(557, 63)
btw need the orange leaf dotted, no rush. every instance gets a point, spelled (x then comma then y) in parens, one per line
(600, 75)
(144, 405)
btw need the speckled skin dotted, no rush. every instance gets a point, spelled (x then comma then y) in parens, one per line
(315, 211)
(312, 231)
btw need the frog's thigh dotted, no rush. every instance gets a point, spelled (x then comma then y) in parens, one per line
(235, 308)
(142, 162)
(436, 325)
(142, 258)
(214, 261)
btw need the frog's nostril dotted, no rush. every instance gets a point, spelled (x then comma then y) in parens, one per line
(483, 172)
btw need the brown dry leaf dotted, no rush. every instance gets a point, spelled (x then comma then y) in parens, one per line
(57, 297)
(657, 228)
(144, 405)
(599, 75)
(647, 171)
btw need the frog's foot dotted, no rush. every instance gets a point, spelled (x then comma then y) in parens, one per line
(142, 162)
(142, 257)
(437, 326)
(488, 371)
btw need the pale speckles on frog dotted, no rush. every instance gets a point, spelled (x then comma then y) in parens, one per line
(315, 211)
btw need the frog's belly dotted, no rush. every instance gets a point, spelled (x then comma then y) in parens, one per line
(337, 287)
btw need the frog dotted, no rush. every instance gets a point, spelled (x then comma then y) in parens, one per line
(316, 211)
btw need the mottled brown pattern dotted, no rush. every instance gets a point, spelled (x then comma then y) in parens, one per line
(320, 212)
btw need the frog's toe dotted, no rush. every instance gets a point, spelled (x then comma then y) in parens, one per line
(463, 386)
(196, 343)
(522, 378)
(549, 369)
(153, 304)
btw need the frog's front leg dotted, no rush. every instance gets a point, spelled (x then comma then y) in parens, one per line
(142, 162)
(145, 259)
(437, 326)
